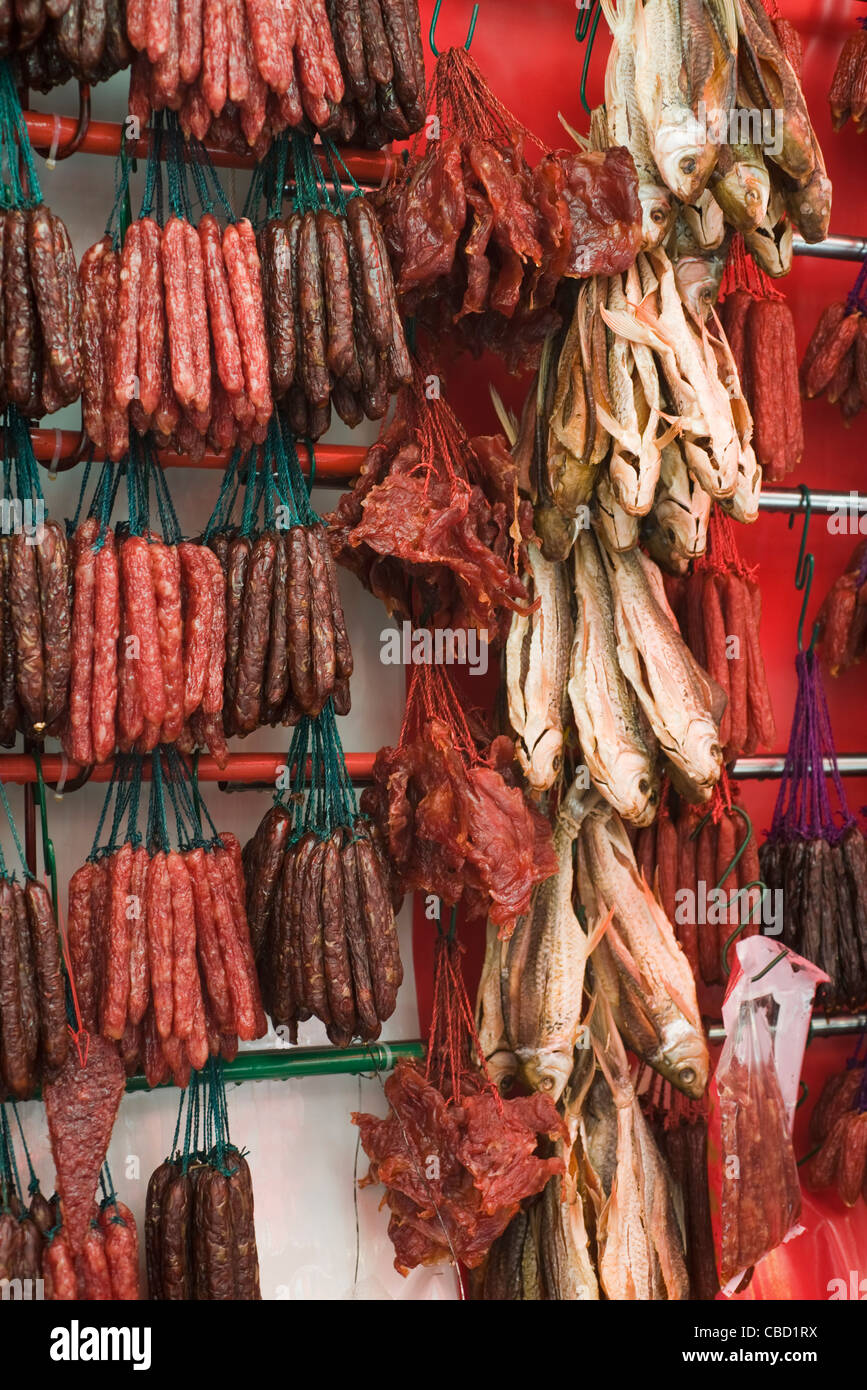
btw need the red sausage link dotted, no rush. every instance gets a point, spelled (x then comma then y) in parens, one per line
(158, 911)
(106, 632)
(198, 623)
(227, 349)
(166, 576)
(141, 609)
(177, 297)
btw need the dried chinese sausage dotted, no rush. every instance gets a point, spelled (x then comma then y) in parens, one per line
(239, 72)
(200, 1238)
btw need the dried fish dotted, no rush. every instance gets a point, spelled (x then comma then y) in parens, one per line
(619, 757)
(537, 657)
(545, 964)
(682, 704)
(638, 964)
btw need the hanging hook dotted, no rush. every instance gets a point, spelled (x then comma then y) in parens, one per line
(585, 29)
(747, 888)
(805, 567)
(741, 847)
(433, 27)
(48, 856)
(55, 150)
(770, 965)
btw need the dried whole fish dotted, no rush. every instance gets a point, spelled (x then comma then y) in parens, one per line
(638, 964)
(537, 656)
(638, 1235)
(495, 1051)
(682, 704)
(615, 747)
(544, 969)
(626, 126)
(667, 94)
(567, 1272)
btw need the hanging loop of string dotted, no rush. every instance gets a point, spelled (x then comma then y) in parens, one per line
(16, 153)
(803, 808)
(742, 273)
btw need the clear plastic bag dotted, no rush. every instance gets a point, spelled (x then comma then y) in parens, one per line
(754, 1185)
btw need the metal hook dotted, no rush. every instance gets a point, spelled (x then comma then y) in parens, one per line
(433, 26)
(47, 843)
(770, 965)
(585, 29)
(744, 842)
(55, 152)
(756, 883)
(805, 566)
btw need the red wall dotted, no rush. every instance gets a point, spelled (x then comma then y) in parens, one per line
(530, 57)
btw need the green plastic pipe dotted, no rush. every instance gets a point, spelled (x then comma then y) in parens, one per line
(308, 1061)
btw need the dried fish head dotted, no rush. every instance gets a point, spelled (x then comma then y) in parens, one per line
(555, 530)
(684, 156)
(698, 279)
(771, 245)
(657, 214)
(704, 222)
(741, 184)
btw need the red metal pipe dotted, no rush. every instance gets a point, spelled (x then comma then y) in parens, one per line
(336, 464)
(104, 137)
(20, 768)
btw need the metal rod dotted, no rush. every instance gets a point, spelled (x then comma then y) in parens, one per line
(837, 1026)
(336, 464)
(833, 248)
(261, 769)
(760, 768)
(253, 768)
(781, 499)
(371, 167)
(308, 1061)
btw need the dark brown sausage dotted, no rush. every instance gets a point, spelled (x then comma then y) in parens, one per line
(175, 1232)
(52, 559)
(300, 619)
(27, 627)
(321, 625)
(14, 1070)
(238, 561)
(49, 976)
(255, 628)
(313, 366)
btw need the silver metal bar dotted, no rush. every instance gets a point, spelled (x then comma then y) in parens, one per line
(833, 248)
(838, 1025)
(757, 768)
(783, 499)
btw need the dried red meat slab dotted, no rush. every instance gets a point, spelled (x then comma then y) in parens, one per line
(81, 1106)
(456, 1174)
